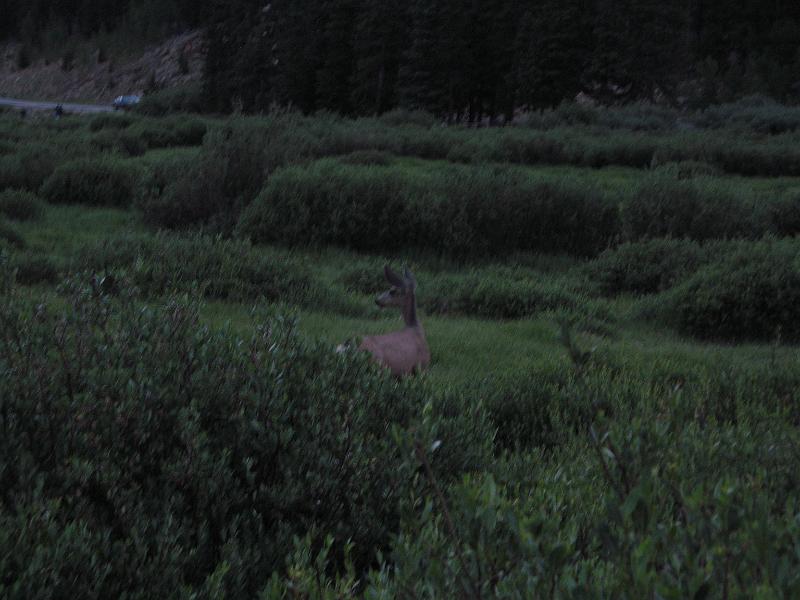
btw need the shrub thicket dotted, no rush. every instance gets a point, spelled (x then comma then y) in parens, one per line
(640, 116)
(364, 279)
(29, 165)
(34, 269)
(168, 132)
(111, 121)
(158, 175)
(185, 99)
(402, 116)
(329, 203)
(784, 214)
(687, 169)
(133, 137)
(756, 113)
(143, 451)
(751, 291)
(10, 236)
(92, 181)
(233, 164)
(596, 464)
(20, 205)
(627, 542)
(457, 212)
(645, 267)
(222, 269)
(367, 157)
(494, 294)
(664, 207)
(122, 141)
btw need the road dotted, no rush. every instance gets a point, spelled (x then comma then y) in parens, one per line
(68, 107)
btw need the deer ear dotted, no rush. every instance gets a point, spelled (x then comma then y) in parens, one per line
(392, 277)
(409, 277)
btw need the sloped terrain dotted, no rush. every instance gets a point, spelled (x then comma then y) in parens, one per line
(98, 80)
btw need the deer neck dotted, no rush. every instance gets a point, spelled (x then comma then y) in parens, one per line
(410, 312)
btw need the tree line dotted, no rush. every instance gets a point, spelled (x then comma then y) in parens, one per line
(38, 23)
(463, 59)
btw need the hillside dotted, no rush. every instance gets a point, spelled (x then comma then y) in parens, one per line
(94, 79)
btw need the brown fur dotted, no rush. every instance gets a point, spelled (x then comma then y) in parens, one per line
(403, 352)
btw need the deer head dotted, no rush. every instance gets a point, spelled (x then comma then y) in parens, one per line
(401, 294)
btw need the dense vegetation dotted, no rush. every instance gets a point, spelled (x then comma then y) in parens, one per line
(611, 303)
(465, 61)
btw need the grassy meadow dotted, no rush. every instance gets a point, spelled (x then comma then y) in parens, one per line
(612, 302)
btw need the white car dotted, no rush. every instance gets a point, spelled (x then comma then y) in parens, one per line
(125, 102)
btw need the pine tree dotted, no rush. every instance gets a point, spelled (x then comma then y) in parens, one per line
(334, 76)
(380, 37)
(424, 82)
(225, 34)
(640, 47)
(255, 64)
(551, 53)
(297, 44)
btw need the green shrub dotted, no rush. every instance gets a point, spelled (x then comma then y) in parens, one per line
(28, 166)
(567, 146)
(367, 157)
(463, 153)
(33, 269)
(7, 147)
(645, 511)
(545, 409)
(784, 215)
(687, 169)
(645, 267)
(92, 181)
(331, 203)
(368, 279)
(169, 132)
(628, 149)
(756, 113)
(639, 116)
(651, 486)
(187, 98)
(663, 207)
(499, 294)
(223, 269)
(241, 444)
(124, 142)
(523, 148)
(486, 211)
(402, 116)
(111, 121)
(233, 164)
(751, 291)
(20, 205)
(458, 212)
(152, 197)
(771, 158)
(565, 114)
(10, 236)
(432, 144)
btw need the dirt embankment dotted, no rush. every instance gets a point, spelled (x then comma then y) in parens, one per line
(177, 61)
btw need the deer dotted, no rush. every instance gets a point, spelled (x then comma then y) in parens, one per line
(403, 352)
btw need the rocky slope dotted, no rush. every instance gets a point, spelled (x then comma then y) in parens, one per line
(177, 61)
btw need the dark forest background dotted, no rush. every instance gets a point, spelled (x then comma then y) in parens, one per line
(461, 59)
